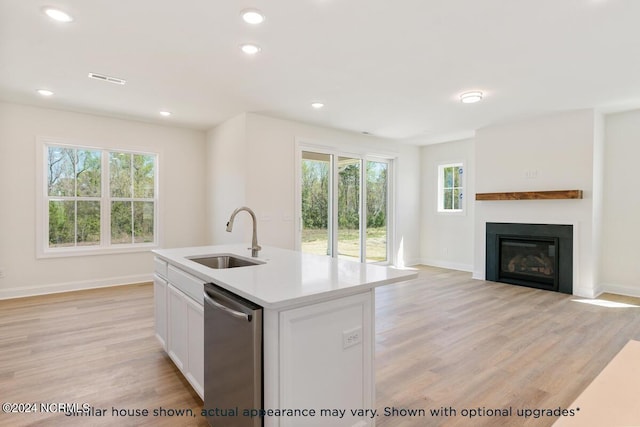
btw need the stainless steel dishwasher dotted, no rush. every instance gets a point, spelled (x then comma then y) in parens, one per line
(232, 358)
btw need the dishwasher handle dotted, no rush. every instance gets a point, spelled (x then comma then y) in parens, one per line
(232, 312)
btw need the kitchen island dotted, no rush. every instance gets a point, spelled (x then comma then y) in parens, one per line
(318, 327)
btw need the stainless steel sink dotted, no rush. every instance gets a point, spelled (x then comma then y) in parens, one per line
(225, 261)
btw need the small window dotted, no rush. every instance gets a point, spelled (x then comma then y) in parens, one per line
(450, 187)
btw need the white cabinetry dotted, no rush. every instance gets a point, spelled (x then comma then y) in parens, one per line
(185, 343)
(177, 328)
(195, 346)
(316, 356)
(326, 359)
(160, 309)
(180, 322)
(160, 300)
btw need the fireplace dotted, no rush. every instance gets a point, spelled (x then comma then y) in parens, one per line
(534, 255)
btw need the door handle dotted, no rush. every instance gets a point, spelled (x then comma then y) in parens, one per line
(234, 313)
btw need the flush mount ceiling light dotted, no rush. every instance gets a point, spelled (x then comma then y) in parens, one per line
(252, 16)
(250, 49)
(44, 92)
(57, 14)
(317, 105)
(471, 97)
(165, 113)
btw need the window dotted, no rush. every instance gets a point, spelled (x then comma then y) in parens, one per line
(97, 200)
(131, 182)
(450, 187)
(74, 192)
(344, 206)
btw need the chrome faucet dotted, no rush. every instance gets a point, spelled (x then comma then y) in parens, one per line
(254, 240)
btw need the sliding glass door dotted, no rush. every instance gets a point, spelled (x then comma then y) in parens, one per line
(377, 211)
(344, 202)
(349, 208)
(315, 201)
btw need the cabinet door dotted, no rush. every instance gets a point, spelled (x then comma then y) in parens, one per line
(195, 364)
(160, 309)
(177, 337)
(326, 359)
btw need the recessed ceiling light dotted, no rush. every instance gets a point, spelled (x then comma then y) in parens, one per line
(250, 49)
(317, 105)
(44, 92)
(471, 97)
(57, 14)
(252, 16)
(165, 113)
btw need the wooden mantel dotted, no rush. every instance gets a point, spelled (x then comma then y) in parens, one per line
(531, 195)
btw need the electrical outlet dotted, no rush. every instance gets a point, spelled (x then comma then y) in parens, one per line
(351, 337)
(1, 273)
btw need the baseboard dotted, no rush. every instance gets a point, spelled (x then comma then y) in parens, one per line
(412, 262)
(54, 288)
(446, 264)
(478, 275)
(597, 290)
(611, 288)
(586, 292)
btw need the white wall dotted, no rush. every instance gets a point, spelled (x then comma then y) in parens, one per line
(598, 200)
(620, 255)
(181, 163)
(447, 238)
(250, 160)
(407, 186)
(226, 172)
(269, 162)
(546, 153)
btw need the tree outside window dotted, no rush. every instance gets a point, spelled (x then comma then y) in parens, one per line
(450, 187)
(132, 189)
(97, 199)
(74, 187)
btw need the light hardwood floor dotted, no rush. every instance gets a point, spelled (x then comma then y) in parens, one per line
(94, 346)
(443, 340)
(446, 340)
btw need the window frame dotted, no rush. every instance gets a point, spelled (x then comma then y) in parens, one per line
(43, 250)
(441, 189)
(363, 155)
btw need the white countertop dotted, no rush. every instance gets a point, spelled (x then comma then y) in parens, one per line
(287, 278)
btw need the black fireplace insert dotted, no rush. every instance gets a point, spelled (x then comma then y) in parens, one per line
(533, 255)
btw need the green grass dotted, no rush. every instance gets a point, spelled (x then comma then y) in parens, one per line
(316, 241)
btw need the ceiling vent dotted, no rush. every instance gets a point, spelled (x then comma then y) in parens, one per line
(105, 78)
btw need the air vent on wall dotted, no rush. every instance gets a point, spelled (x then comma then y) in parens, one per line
(105, 78)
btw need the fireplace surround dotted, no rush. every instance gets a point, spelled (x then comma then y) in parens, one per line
(533, 255)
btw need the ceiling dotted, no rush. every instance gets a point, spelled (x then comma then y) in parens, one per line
(393, 69)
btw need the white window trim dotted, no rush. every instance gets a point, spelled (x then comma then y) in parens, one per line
(42, 212)
(363, 155)
(440, 193)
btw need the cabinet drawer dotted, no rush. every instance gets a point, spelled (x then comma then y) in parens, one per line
(160, 267)
(188, 284)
